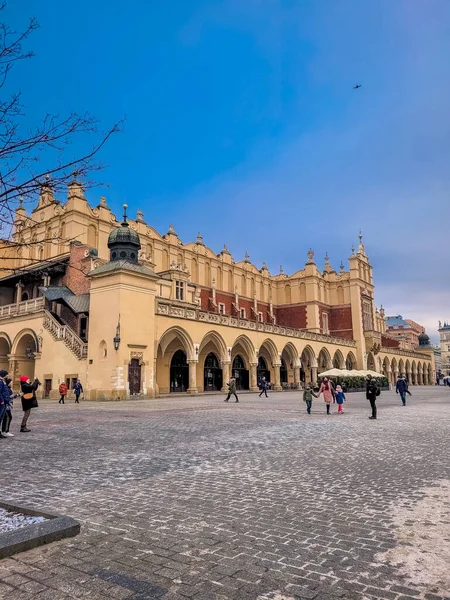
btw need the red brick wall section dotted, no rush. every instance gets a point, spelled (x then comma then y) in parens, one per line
(228, 300)
(75, 278)
(340, 322)
(291, 316)
(388, 342)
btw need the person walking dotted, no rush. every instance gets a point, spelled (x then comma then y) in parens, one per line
(62, 392)
(372, 391)
(401, 388)
(340, 399)
(263, 387)
(29, 400)
(231, 390)
(6, 423)
(78, 390)
(308, 395)
(327, 390)
(5, 398)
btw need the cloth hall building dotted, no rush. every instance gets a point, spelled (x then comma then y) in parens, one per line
(129, 311)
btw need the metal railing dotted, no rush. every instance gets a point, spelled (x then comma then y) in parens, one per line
(65, 334)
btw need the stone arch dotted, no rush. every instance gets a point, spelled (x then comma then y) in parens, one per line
(24, 347)
(386, 368)
(290, 353)
(243, 358)
(176, 336)
(430, 374)
(5, 351)
(371, 365)
(245, 347)
(212, 342)
(309, 362)
(270, 350)
(324, 361)
(338, 360)
(401, 367)
(419, 373)
(350, 362)
(394, 370)
(170, 376)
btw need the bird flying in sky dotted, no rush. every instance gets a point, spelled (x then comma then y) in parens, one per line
(355, 87)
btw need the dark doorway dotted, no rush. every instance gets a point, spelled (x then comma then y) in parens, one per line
(47, 387)
(263, 371)
(83, 328)
(179, 372)
(134, 376)
(213, 374)
(240, 373)
(283, 372)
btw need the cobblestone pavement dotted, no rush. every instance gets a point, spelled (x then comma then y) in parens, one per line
(193, 498)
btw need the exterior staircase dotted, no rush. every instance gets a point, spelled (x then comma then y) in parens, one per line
(65, 334)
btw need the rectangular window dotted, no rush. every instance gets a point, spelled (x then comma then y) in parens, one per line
(260, 317)
(179, 290)
(242, 313)
(325, 329)
(221, 308)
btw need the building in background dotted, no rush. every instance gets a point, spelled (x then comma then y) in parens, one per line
(444, 333)
(405, 330)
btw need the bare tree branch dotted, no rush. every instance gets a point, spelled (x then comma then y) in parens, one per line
(29, 156)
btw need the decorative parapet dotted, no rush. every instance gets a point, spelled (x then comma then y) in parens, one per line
(23, 308)
(400, 352)
(169, 309)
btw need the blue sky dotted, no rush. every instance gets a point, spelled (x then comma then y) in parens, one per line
(241, 123)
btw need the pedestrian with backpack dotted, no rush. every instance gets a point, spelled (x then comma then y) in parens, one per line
(372, 391)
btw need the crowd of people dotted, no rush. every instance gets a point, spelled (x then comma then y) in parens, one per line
(28, 400)
(331, 393)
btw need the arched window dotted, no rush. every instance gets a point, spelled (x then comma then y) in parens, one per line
(92, 236)
(194, 271)
(244, 286)
(103, 350)
(48, 243)
(219, 283)
(261, 291)
(165, 260)
(302, 292)
(230, 282)
(207, 274)
(287, 294)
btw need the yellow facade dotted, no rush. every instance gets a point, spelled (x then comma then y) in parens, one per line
(187, 318)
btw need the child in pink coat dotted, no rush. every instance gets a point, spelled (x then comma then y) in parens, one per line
(327, 390)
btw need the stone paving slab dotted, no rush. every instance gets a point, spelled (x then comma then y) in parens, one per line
(185, 498)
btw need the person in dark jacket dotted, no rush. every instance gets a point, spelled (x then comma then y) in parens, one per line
(29, 400)
(231, 390)
(372, 392)
(402, 388)
(263, 387)
(6, 423)
(77, 390)
(5, 397)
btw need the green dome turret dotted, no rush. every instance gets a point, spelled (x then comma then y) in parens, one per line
(123, 242)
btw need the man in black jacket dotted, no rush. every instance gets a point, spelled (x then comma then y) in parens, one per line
(372, 392)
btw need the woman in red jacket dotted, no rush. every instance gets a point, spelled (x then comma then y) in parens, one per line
(62, 392)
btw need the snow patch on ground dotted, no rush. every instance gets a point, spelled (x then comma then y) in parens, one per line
(422, 553)
(274, 596)
(10, 521)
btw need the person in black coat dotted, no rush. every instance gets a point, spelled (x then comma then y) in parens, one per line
(29, 400)
(372, 392)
